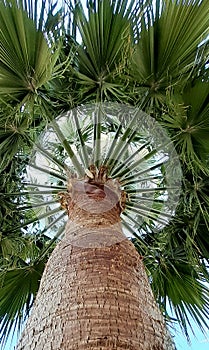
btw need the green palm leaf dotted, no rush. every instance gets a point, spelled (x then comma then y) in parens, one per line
(106, 36)
(177, 281)
(26, 61)
(191, 122)
(13, 137)
(18, 288)
(167, 46)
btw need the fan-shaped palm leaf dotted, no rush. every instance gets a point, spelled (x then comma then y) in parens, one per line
(106, 35)
(168, 44)
(191, 122)
(18, 288)
(177, 281)
(26, 60)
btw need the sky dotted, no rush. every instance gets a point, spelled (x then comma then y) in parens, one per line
(200, 342)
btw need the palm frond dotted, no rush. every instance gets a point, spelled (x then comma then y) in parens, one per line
(165, 58)
(67, 147)
(190, 123)
(40, 11)
(27, 62)
(177, 281)
(106, 36)
(18, 289)
(13, 137)
(110, 142)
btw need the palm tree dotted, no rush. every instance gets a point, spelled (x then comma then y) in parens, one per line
(151, 55)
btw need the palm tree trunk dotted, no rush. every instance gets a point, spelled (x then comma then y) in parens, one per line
(94, 293)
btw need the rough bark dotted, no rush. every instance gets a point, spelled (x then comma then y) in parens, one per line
(95, 295)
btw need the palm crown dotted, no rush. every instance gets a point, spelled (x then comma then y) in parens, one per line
(143, 55)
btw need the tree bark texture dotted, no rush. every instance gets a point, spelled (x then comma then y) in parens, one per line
(94, 293)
